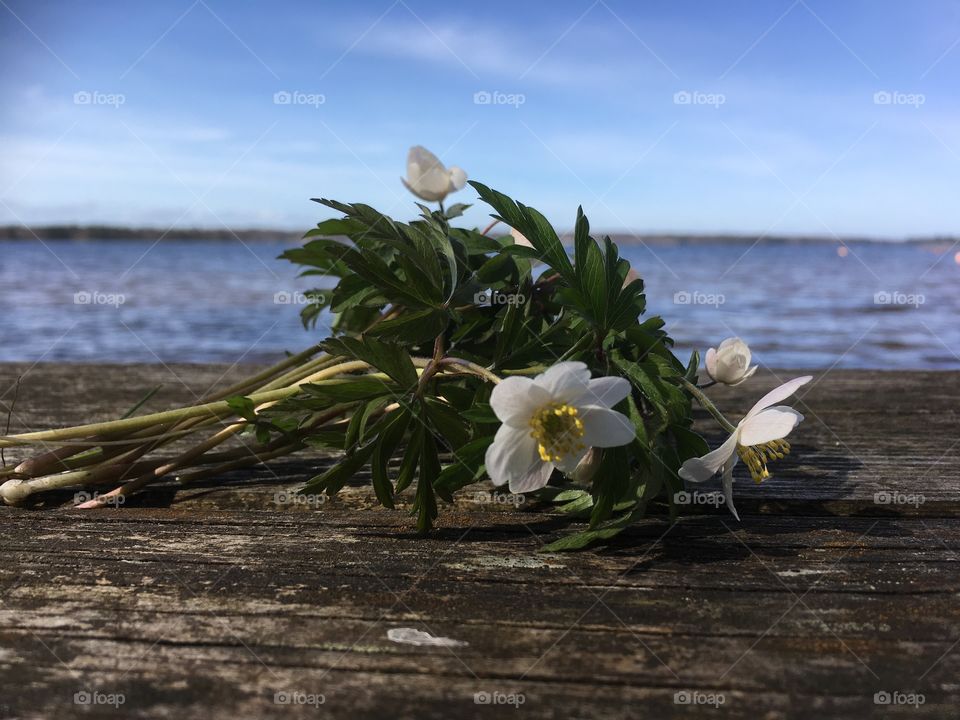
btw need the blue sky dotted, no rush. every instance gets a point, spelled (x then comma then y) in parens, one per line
(784, 133)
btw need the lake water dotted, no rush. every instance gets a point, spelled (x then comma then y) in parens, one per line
(798, 306)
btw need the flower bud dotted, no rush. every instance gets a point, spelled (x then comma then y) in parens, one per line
(730, 362)
(587, 467)
(428, 178)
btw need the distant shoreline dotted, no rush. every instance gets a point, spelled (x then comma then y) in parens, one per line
(106, 233)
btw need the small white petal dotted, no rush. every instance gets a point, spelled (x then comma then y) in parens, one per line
(458, 178)
(537, 478)
(565, 381)
(772, 423)
(711, 363)
(779, 393)
(516, 399)
(429, 197)
(570, 463)
(728, 488)
(512, 457)
(427, 178)
(603, 427)
(703, 468)
(605, 391)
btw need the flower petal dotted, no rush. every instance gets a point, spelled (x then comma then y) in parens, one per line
(429, 197)
(516, 399)
(604, 391)
(769, 424)
(703, 468)
(458, 178)
(728, 487)
(426, 175)
(603, 427)
(571, 462)
(778, 394)
(565, 380)
(512, 457)
(533, 480)
(711, 362)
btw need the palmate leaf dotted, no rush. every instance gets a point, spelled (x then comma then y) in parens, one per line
(532, 225)
(390, 358)
(387, 443)
(413, 326)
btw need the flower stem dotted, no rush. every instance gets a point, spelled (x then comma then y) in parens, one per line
(472, 368)
(707, 404)
(204, 410)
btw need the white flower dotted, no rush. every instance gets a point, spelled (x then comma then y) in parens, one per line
(757, 440)
(428, 179)
(552, 421)
(730, 363)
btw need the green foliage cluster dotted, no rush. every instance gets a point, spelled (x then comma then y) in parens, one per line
(411, 299)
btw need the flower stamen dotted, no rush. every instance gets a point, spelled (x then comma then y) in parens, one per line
(557, 428)
(756, 457)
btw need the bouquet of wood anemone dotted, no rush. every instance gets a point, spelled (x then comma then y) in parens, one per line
(455, 356)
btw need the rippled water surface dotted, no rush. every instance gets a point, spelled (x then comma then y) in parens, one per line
(809, 306)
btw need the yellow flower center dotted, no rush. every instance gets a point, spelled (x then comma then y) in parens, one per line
(557, 428)
(756, 457)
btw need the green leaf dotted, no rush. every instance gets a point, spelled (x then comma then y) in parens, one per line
(424, 501)
(610, 484)
(466, 468)
(533, 225)
(389, 358)
(408, 465)
(243, 406)
(580, 540)
(413, 326)
(456, 210)
(447, 421)
(390, 436)
(358, 387)
(336, 477)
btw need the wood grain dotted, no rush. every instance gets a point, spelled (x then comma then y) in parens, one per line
(207, 602)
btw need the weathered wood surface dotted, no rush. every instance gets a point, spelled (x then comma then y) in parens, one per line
(206, 603)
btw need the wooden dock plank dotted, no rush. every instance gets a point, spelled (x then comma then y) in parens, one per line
(190, 602)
